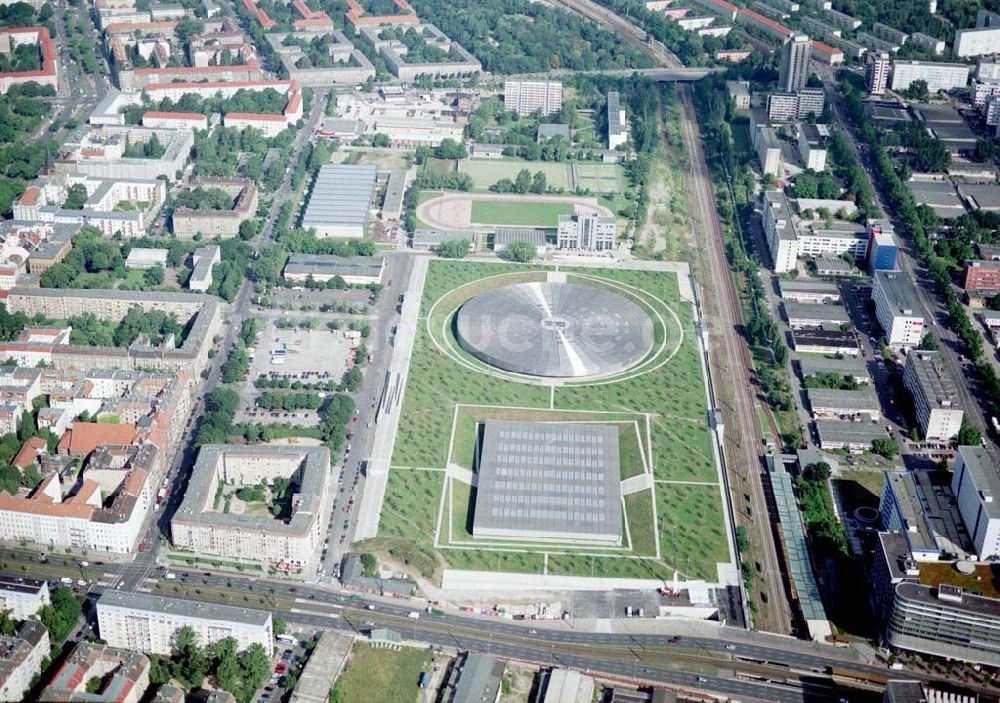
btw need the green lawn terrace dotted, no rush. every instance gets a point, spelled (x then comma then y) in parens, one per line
(673, 517)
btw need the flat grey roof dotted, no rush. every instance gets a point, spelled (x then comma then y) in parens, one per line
(836, 314)
(862, 399)
(615, 106)
(848, 366)
(479, 680)
(341, 195)
(807, 286)
(435, 237)
(824, 337)
(329, 265)
(541, 479)
(918, 529)
(934, 380)
(508, 235)
(201, 487)
(939, 195)
(394, 189)
(550, 131)
(843, 431)
(970, 604)
(933, 113)
(20, 584)
(776, 201)
(898, 291)
(984, 196)
(183, 607)
(984, 466)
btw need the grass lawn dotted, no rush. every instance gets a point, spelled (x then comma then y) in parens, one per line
(486, 172)
(439, 165)
(599, 177)
(673, 396)
(379, 675)
(692, 537)
(513, 212)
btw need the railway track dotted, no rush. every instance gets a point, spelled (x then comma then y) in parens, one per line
(614, 21)
(746, 448)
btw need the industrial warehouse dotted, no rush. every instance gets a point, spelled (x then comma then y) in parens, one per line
(340, 201)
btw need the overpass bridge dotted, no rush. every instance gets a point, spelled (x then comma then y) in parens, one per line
(665, 74)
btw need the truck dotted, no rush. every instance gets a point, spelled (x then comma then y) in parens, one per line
(413, 615)
(161, 494)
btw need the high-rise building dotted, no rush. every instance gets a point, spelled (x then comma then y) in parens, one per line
(896, 309)
(882, 247)
(935, 396)
(976, 485)
(782, 107)
(525, 97)
(939, 76)
(794, 73)
(877, 73)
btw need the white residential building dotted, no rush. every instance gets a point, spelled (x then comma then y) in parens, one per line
(976, 485)
(142, 622)
(935, 396)
(982, 40)
(783, 107)
(877, 73)
(896, 309)
(22, 597)
(779, 229)
(587, 232)
(21, 658)
(939, 76)
(525, 97)
(768, 151)
(617, 124)
(794, 72)
(812, 140)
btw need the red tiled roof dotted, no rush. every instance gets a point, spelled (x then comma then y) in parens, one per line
(196, 70)
(28, 453)
(174, 115)
(85, 437)
(825, 48)
(45, 44)
(30, 195)
(767, 21)
(255, 117)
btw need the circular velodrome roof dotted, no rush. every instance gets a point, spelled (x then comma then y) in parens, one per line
(560, 330)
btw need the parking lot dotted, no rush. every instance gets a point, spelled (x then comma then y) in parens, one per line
(308, 355)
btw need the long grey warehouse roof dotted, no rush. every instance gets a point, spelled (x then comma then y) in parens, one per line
(508, 235)
(328, 265)
(808, 286)
(826, 313)
(848, 366)
(549, 479)
(435, 237)
(183, 607)
(865, 399)
(341, 195)
(843, 431)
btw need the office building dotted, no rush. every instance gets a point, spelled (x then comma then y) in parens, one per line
(794, 72)
(975, 482)
(768, 151)
(203, 260)
(940, 620)
(617, 124)
(982, 40)
(353, 270)
(21, 658)
(897, 310)
(825, 340)
(877, 73)
(935, 396)
(340, 201)
(142, 622)
(835, 404)
(803, 291)
(939, 76)
(527, 97)
(801, 315)
(882, 247)
(22, 597)
(587, 232)
(981, 275)
(901, 507)
(854, 369)
(852, 436)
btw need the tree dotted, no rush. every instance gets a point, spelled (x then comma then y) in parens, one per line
(279, 626)
(917, 90)
(30, 477)
(886, 446)
(969, 435)
(539, 183)
(522, 183)
(153, 276)
(380, 140)
(521, 252)
(985, 150)
(369, 565)
(61, 615)
(76, 197)
(450, 150)
(929, 342)
(455, 249)
(190, 662)
(819, 471)
(27, 429)
(255, 666)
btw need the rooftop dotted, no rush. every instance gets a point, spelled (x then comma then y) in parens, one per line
(851, 366)
(328, 265)
(557, 480)
(183, 608)
(843, 431)
(936, 383)
(20, 584)
(898, 292)
(341, 194)
(809, 311)
(919, 534)
(862, 399)
(984, 468)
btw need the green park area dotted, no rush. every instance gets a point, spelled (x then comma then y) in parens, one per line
(658, 405)
(381, 675)
(518, 212)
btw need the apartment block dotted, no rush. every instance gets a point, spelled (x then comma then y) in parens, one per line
(800, 105)
(21, 658)
(123, 676)
(812, 141)
(975, 481)
(935, 396)
(877, 74)
(982, 40)
(142, 622)
(897, 310)
(794, 71)
(939, 76)
(527, 97)
(22, 597)
(779, 230)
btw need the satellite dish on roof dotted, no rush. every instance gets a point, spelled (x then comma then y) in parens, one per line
(965, 567)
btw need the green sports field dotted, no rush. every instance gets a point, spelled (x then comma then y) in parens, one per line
(513, 212)
(486, 172)
(672, 519)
